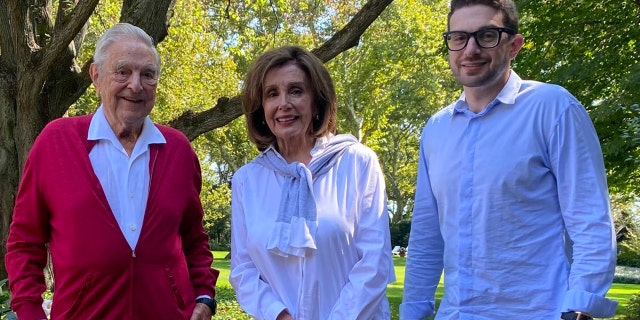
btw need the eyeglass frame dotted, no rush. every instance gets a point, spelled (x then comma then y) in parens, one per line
(148, 77)
(475, 37)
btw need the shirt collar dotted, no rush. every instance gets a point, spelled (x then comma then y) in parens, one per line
(507, 95)
(99, 129)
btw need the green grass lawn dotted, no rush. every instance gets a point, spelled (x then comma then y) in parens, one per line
(228, 308)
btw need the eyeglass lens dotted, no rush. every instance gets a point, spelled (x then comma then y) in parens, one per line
(487, 38)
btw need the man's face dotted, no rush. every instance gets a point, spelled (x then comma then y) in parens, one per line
(126, 83)
(474, 66)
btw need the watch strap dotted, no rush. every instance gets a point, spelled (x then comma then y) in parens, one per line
(211, 303)
(573, 315)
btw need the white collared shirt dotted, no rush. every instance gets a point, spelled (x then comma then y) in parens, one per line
(124, 179)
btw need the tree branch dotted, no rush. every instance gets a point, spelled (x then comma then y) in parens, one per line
(81, 81)
(41, 19)
(6, 45)
(349, 36)
(65, 7)
(64, 33)
(138, 12)
(228, 109)
(194, 124)
(18, 32)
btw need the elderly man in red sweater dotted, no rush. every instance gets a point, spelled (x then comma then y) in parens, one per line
(116, 198)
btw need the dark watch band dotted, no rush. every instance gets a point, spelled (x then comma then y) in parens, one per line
(572, 315)
(211, 303)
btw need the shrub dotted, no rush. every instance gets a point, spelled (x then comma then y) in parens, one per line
(633, 308)
(627, 275)
(218, 246)
(5, 297)
(629, 250)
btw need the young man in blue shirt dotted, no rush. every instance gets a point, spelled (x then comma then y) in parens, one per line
(511, 196)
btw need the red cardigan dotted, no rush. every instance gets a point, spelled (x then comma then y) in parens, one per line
(60, 202)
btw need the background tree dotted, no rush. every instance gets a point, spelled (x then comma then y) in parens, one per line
(42, 73)
(592, 49)
(390, 86)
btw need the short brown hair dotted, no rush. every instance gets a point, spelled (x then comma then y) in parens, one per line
(507, 7)
(321, 84)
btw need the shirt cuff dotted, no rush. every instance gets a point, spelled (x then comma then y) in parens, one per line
(274, 310)
(593, 304)
(29, 311)
(416, 310)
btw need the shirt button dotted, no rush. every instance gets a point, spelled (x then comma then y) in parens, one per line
(132, 227)
(130, 195)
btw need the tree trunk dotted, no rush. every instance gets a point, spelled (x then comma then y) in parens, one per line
(9, 167)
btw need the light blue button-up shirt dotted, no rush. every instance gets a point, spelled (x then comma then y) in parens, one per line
(496, 194)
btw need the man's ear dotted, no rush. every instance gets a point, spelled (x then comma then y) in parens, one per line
(94, 74)
(516, 45)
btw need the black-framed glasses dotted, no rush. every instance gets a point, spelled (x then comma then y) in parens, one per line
(485, 38)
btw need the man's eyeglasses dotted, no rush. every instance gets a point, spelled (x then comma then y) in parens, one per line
(148, 77)
(485, 38)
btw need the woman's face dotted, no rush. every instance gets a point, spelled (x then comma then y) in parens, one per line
(287, 99)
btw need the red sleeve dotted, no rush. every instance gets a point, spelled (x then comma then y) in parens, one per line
(195, 241)
(29, 232)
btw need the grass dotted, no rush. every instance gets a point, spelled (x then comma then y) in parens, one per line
(229, 309)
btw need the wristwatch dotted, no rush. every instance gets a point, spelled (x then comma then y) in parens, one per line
(211, 303)
(576, 315)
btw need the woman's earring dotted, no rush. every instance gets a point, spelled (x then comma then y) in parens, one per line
(317, 117)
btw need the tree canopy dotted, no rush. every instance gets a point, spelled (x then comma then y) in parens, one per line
(592, 49)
